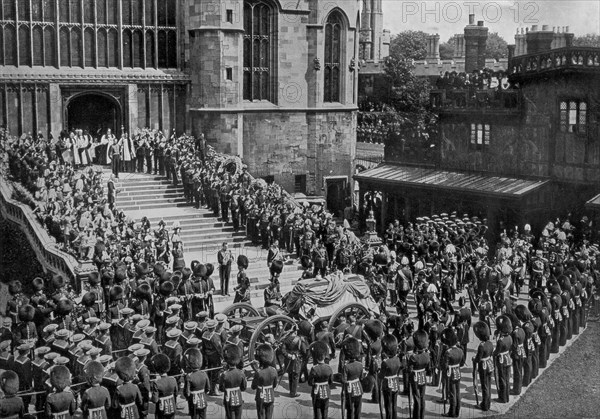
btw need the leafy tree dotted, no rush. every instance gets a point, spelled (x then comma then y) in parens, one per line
(446, 51)
(588, 40)
(409, 44)
(496, 47)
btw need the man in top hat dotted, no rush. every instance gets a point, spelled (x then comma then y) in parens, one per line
(502, 357)
(265, 381)
(225, 258)
(232, 382)
(417, 363)
(212, 350)
(196, 384)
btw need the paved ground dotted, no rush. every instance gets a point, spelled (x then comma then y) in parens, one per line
(570, 388)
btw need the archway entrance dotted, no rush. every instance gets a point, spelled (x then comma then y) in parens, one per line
(93, 112)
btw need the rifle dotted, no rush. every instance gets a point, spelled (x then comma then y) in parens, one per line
(409, 401)
(378, 389)
(475, 382)
(445, 391)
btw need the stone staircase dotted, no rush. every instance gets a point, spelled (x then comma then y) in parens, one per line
(202, 233)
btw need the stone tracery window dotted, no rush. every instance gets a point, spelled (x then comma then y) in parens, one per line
(259, 51)
(334, 33)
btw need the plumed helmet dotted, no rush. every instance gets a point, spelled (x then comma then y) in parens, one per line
(94, 278)
(116, 293)
(522, 313)
(242, 262)
(304, 328)
(276, 267)
(166, 288)
(15, 287)
(200, 270)
(351, 348)
(193, 358)
(482, 331)
(125, 368)
(232, 354)
(319, 350)
(64, 307)
(38, 284)
(306, 262)
(265, 354)
(389, 345)
(9, 383)
(94, 372)
(186, 273)
(26, 313)
(89, 299)
(421, 340)
(503, 324)
(60, 377)
(373, 328)
(449, 336)
(161, 363)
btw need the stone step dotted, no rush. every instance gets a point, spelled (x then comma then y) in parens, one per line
(148, 179)
(173, 198)
(153, 205)
(149, 195)
(143, 187)
(150, 191)
(213, 246)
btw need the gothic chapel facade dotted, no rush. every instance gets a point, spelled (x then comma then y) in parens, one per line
(273, 81)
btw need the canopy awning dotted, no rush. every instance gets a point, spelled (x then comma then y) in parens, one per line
(593, 203)
(478, 184)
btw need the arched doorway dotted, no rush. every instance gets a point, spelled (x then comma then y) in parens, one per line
(93, 112)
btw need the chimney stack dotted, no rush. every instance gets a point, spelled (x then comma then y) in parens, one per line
(433, 47)
(539, 41)
(475, 42)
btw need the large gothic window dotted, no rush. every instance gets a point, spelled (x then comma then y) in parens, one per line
(259, 44)
(333, 57)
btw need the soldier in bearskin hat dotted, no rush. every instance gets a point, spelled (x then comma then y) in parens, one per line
(372, 333)
(352, 374)
(164, 389)
(99, 305)
(502, 357)
(16, 299)
(483, 363)
(25, 332)
(524, 316)
(417, 364)
(320, 379)
(517, 353)
(450, 365)
(11, 405)
(265, 381)
(391, 368)
(232, 382)
(208, 289)
(63, 314)
(95, 400)
(60, 403)
(157, 312)
(196, 384)
(127, 400)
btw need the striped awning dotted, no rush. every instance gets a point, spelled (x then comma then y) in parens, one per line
(478, 184)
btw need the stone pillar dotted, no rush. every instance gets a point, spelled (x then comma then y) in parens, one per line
(131, 108)
(56, 109)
